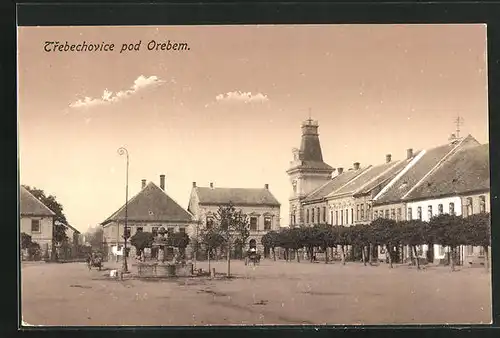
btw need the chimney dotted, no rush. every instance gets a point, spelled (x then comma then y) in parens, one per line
(356, 165)
(211, 185)
(409, 153)
(340, 170)
(388, 158)
(194, 184)
(162, 182)
(143, 184)
(266, 186)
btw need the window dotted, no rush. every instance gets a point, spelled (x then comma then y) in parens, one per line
(253, 223)
(452, 208)
(307, 216)
(419, 213)
(386, 214)
(312, 215)
(429, 212)
(170, 230)
(35, 226)
(154, 231)
(410, 214)
(469, 206)
(357, 212)
(482, 204)
(331, 217)
(324, 215)
(346, 216)
(352, 215)
(267, 222)
(341, 217)
(440, 209)
(398, 215)
(139, 229)
(210, 222)
(182, 230)
(375, 214)
(442, 250)
(393, 213)
(362, 211)
(318, 219)
(336, 217)
(481, 251)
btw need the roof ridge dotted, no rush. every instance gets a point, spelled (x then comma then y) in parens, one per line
(173, 200)
(37, 200)
(363, 171)
(379, 175)
(433, 169)
(400, 174)
(128, 202)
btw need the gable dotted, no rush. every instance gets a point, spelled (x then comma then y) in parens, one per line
(29, 205)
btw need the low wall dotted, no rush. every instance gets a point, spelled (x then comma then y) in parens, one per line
(148, 270)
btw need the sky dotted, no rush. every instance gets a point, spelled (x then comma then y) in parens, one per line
(228, 109)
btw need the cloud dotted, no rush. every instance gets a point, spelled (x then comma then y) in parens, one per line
(241, 97)
(107, 97)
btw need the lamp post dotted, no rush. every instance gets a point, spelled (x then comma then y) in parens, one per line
(124, 151)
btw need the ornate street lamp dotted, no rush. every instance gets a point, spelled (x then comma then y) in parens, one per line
(124, 151)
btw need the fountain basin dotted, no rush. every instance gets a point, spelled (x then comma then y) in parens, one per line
(162, 270)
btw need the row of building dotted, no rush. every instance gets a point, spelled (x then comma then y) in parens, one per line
(451, 178)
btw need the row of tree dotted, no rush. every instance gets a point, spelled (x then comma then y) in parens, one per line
(143, 239)
(447, 230)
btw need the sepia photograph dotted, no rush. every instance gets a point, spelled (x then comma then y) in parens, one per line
(333, 174)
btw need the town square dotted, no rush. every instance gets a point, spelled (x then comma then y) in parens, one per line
(303, 185)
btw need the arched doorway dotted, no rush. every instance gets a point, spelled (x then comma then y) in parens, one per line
(252, 243)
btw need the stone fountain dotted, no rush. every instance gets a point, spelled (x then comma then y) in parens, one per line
(166, 263)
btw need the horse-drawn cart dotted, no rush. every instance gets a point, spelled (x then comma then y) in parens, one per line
(94, 261)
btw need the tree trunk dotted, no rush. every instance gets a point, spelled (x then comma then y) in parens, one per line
(388, 253)
(486, 258)
(363, 255)
(274, 254)
(412, 256)
(298, 255)
(311, 254)
(342, 252)
(326, 255)
(370, 256)
(414, 248)
(229, 260)
(452, 257)
(208, 256)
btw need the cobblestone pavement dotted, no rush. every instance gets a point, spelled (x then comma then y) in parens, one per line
(270, 293)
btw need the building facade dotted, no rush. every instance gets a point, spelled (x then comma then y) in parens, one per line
(36, 220)
(148, 210)
(261, 207)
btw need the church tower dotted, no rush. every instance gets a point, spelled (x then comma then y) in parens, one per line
(307, 171)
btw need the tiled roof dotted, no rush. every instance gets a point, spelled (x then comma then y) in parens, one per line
(366, 177)
(334, 184)
(384, 177)
(68, 226)
(31, 206)
(467, 170)
(151, 204)
(238, 196)
(421, 167)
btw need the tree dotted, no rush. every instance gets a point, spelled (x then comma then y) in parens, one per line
(180, 240)
(450, 231)
(414, 233)
(360, 237)
(142, 240)
(478, 232)
(386, 232)
(51, 202)
(25, 240)
(343, 238)
(232, 225)
(271, 240)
